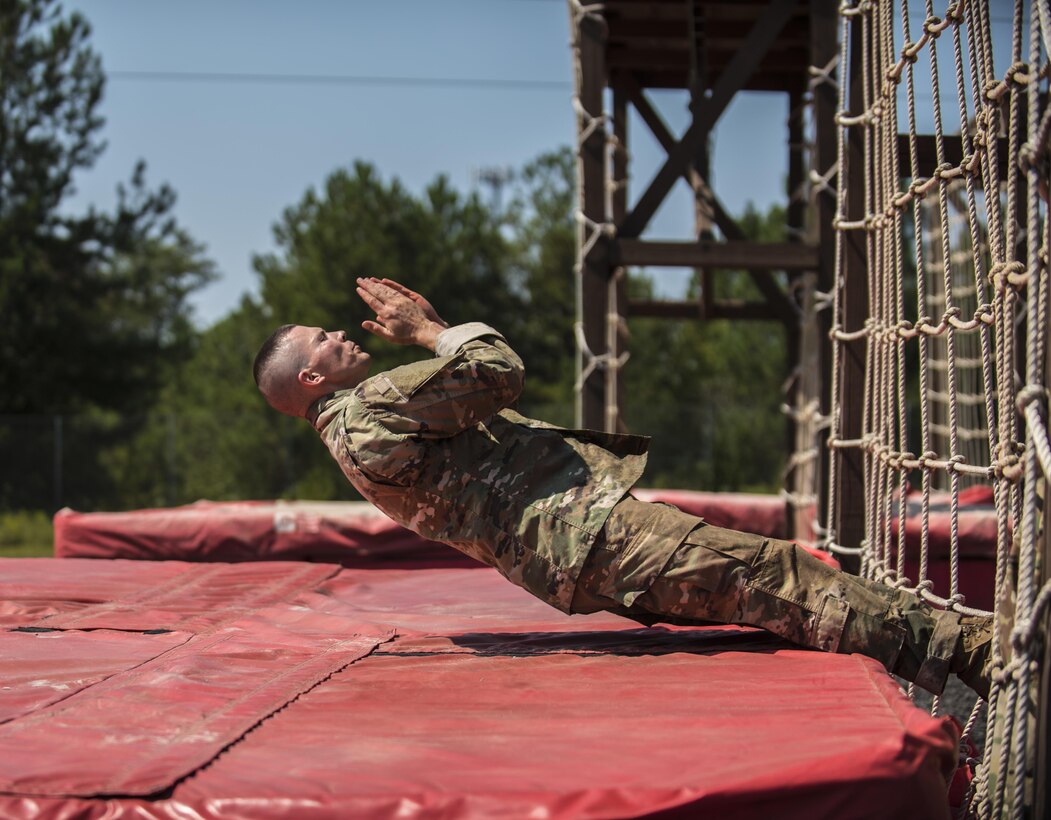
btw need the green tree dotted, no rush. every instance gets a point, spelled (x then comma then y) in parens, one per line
(227, 443)
(209, 435)
(709, 392)
(543, 246)
(441, 244)
(52, 83)
(94, 306)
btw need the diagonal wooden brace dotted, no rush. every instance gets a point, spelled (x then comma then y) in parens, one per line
(737, 73)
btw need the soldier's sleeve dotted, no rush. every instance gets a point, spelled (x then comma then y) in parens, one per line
(475, 375)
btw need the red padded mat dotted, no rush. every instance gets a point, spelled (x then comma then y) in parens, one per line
(350, 533)
(298, 700)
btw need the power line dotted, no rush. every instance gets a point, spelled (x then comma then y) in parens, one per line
(338, 79)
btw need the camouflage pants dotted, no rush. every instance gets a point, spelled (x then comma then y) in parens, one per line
(717, 575)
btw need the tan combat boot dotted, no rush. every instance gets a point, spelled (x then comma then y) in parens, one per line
(972, 661)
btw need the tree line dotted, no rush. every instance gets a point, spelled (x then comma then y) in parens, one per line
(97, 327)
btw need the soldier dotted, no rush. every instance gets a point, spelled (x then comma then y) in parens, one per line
(436, 446)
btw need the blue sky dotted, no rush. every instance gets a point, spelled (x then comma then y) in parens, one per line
(238, 153)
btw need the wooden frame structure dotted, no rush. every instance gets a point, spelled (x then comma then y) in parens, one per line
(713, 50)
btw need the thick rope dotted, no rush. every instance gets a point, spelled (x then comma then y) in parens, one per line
(968, 240)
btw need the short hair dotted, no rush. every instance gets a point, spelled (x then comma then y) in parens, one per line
(276, 369)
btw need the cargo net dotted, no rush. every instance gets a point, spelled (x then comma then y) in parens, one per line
(955, 337)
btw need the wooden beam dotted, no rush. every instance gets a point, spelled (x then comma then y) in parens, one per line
(761, 80)
(733, 254)
(659, 309)
(739, 69)
(739, 10)
(673, 55)
(668, 31)
(720, 309)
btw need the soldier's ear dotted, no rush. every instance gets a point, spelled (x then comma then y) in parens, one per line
(309, 378)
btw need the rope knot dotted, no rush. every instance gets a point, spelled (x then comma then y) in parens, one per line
(1018, 74)
(934, 25)
(847, 10)
(920, 186)
(1032, 157)
(1006, 467)
(946, 171)
(1004, 274)
(1030, 394)
(925, 458)
(924, 325)
(983, 314)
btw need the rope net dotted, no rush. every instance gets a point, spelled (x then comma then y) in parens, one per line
(953, 253)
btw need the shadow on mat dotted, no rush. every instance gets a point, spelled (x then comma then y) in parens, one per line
(649, 641)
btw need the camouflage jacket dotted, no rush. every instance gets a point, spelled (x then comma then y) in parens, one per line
(433, 445)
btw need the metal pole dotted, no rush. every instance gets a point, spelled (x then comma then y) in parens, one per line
(171, 459)
(57, 462)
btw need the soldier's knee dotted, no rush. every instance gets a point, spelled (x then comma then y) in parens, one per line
(787, 570)
(741, 546)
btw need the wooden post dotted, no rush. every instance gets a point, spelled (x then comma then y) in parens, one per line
(617, 330)
(703, 212)
(824, 47)
(796, 482)
(594, 264)
(850, 526)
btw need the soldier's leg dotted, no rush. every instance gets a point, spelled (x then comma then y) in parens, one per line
(724, 576)
(779, 586)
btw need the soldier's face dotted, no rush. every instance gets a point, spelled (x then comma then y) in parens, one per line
(333, 357)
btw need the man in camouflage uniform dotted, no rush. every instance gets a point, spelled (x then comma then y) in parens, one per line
(435, 446)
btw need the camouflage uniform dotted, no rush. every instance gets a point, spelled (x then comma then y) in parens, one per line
(433, 446)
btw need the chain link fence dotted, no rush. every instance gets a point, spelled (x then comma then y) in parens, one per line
(109, 462)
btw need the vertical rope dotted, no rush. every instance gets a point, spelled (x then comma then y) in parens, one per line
(980, 227)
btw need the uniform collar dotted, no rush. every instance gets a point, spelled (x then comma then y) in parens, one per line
(315, 410)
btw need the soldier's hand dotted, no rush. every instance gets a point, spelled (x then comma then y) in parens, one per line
(402, 316)
(428, 308)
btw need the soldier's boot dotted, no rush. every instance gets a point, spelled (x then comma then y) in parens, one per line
(938, 642)
(972, 662)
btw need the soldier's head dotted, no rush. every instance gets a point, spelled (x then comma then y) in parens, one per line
(298, 365)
